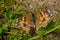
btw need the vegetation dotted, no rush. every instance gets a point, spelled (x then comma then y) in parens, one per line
(12, 10)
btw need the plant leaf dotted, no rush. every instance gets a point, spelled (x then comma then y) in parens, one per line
(8, 15)
(13, 31)
(50, 25)
(5, 27)
(0, 30)
(41, 31)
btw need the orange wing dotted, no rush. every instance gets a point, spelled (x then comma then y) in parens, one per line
(40, 16)
(26, 20)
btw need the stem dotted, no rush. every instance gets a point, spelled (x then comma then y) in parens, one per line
(52, 29)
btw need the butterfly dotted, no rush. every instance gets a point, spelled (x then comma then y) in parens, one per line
(41, 20)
